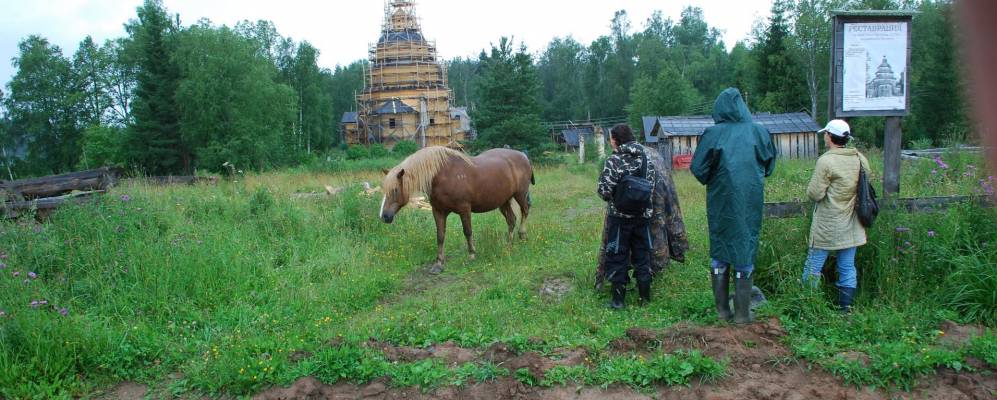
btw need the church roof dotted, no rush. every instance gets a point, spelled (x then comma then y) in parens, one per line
(394, 107)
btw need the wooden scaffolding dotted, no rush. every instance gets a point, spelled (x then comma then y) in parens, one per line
(405, 94)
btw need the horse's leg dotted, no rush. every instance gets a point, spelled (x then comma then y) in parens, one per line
(441, 235)
(465, 220)
(510, 217)
(524, 211)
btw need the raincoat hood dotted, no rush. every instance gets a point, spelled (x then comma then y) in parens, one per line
(730, 107)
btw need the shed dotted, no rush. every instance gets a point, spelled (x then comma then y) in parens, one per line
(794, 134)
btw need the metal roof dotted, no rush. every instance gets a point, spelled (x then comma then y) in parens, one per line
(394, 107)
(349, 117)
(571, 135)
(401, 36)
(697, 124)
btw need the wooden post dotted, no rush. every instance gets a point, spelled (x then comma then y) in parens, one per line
(581, 147)
(891, 157)
(600, 142)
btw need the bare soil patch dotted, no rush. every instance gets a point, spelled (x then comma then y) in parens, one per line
(760, 368)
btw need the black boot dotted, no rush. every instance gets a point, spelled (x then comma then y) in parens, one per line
(846, 296)
(619, 295)
(721, 293)
(644, 288)
(742, 299)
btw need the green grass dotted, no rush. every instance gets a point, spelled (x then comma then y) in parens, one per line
(227, 283)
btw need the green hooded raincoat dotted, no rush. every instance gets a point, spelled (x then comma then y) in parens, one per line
(732, 159)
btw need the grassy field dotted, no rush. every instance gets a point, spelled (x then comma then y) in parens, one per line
(229, 289)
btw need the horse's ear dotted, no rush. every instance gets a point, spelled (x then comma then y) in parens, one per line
(401, 173)
(385, 171)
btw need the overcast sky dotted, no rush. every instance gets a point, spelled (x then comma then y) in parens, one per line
(342, 30)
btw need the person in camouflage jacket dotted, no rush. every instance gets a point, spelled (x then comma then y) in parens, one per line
(668, 234)
(629, 240)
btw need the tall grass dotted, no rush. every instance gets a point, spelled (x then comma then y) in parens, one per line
(225, 283)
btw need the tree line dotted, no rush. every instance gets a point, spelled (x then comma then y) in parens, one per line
(168, 99)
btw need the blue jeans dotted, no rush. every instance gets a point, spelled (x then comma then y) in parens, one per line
(847, 275)
(722, 266)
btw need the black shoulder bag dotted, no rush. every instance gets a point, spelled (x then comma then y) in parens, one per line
(633, 193)
(865, 199)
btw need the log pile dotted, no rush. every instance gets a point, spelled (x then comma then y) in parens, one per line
(47, 193)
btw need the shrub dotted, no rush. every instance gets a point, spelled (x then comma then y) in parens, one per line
(405, 148)
(378, 150)
(357, 152)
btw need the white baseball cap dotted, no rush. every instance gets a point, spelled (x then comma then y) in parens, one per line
(837, 128)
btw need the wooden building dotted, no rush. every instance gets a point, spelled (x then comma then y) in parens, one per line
(794, 134)
(405, 94)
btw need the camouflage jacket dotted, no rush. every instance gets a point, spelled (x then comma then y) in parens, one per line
(626, 160)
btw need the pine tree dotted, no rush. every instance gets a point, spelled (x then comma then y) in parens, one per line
(778, 78)
(509, 113)
(155, 141)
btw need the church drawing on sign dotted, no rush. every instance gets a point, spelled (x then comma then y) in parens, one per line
(405, 94)
(885, 83)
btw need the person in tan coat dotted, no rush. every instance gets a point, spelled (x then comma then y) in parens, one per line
(835, 226)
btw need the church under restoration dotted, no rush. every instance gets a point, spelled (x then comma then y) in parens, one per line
(405, 94)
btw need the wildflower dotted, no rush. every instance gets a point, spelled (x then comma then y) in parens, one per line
(64, 311)
(931, 233)
(32, 275)
(3, 313)
(934, 172)
(17, 274)
(941, 164)
(2, 265)
(125, 197)
(34, 303)
(902, 229)
(3, 256)
(42, 302)
(27, 281)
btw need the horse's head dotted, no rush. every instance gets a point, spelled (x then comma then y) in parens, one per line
(396, 194)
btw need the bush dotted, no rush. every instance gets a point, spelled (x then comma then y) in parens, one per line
(405, 148)
(378, 150)
(357, 152)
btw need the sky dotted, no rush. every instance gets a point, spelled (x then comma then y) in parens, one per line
(342, 30)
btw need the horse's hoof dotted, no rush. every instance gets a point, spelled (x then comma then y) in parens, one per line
(436, 269)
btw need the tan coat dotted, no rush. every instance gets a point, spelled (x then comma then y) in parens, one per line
(835, 225)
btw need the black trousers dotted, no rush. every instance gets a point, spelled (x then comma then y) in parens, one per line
(629, 242)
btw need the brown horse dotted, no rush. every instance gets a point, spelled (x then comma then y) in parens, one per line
(456, 183)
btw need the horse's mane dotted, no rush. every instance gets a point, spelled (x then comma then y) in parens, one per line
(421, 167)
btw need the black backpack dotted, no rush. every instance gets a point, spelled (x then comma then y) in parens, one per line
(865, 202)
(633, 193)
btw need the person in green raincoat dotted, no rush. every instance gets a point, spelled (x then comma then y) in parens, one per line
(732, 159)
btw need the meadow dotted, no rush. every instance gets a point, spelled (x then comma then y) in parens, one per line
(229, 289)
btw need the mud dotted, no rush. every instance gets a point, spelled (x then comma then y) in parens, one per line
(956, 335)
(760, 368)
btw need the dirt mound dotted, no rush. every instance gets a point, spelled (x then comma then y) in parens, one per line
(447, 352)
(127, 391)
(760, 368)
(957, 335)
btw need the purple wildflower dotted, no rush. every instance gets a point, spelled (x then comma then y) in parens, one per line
(931, 233)
(32, 275)
(64, 311)
(3, 256)
(34, 303)
(2, 265)
(902, 229)
(934, 172)
(941, 164)
(17, 274)
(125, 197)
(42, 302)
